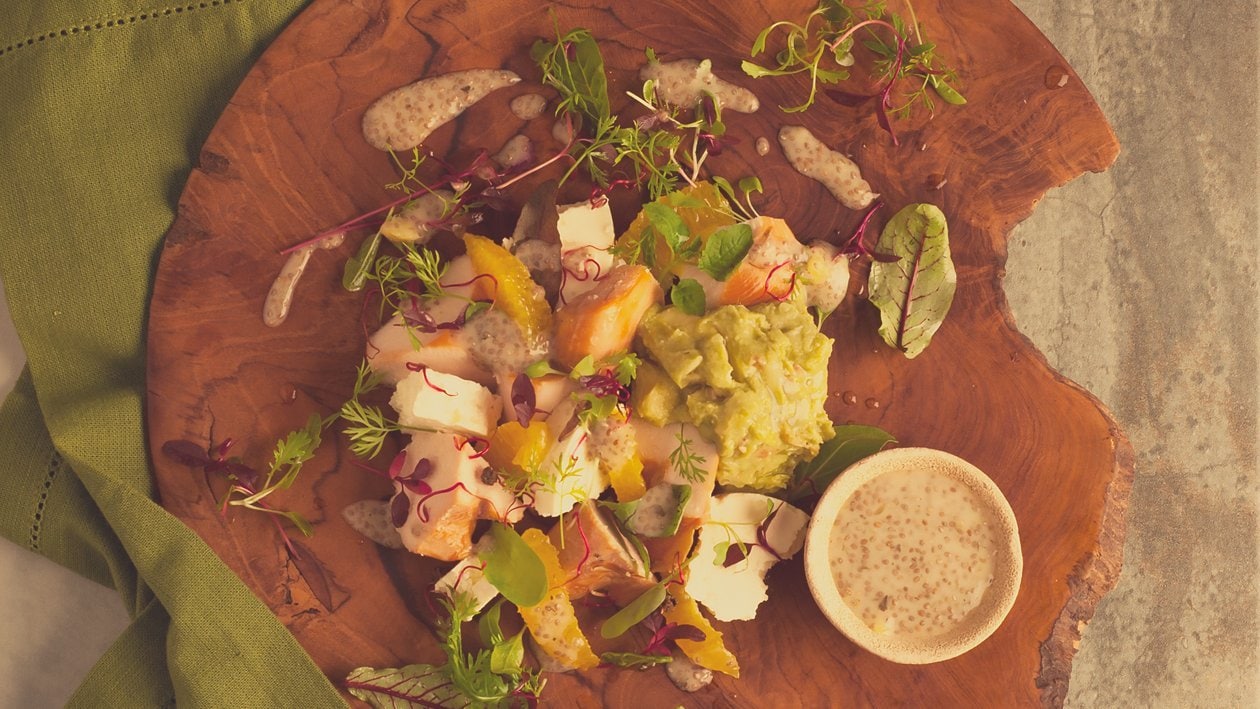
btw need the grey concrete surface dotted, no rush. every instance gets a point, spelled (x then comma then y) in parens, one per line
(1140, 284)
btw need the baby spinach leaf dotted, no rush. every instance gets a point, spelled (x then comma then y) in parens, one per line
(635, 660)
(667, 223)
(850, 444)
(724, 250)
(514, 568)
(633, 613)
(913, 292)
(688, 296)
(508, 655)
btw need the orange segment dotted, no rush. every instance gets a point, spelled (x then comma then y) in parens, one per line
(553, 623)
(512, 289)
(709, 653)
(702, 207)
(515, 450)
(627, 479)
(602, 321)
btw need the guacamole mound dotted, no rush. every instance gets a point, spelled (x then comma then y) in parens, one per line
(753, 380)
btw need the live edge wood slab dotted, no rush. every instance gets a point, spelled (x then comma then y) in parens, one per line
(287, 160)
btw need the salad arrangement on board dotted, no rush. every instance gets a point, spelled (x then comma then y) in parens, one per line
(612, 436)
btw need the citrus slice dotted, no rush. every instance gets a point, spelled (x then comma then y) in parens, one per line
(509, 285)
(709, 653)
(627, 478)
(516, 450)
(553, 622)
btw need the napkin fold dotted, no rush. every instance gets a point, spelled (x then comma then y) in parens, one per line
(105, 106)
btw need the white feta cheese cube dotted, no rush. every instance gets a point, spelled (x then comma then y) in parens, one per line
(434, 400)
(586, 239)
(734, 592)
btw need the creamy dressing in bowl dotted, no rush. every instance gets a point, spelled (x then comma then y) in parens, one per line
(914, 554)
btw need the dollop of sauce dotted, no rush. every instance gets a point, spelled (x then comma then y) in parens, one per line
(418, 221)
(840, 175)
(404, 117)
(517, 151)
(496, 343)
(527, 107)
(684, 83)
(280, 297)
(913, 552)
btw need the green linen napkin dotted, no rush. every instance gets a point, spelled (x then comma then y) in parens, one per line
(104, 106)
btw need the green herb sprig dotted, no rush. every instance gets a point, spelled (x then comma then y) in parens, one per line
(822, 48)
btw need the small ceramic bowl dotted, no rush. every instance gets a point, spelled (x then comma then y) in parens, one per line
(957, 636)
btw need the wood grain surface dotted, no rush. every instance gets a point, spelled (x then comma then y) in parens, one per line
(287, 159)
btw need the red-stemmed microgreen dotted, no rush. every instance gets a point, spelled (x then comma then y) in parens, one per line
(492, 676)
(822, 48)
(247, 488)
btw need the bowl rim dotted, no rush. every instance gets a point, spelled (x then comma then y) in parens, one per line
(980, 623)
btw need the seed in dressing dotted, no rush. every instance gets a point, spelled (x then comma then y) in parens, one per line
(280, 297)
(517, 151)
(404, 117)
(763, 146)
(685, 82)
(810, 157)
(527, 107)
(913, 552)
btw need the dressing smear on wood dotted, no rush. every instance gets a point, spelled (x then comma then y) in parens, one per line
(527, 107)
(913, 553)
(684, 83)
(404, 117)
(840, 175)
(280, 297)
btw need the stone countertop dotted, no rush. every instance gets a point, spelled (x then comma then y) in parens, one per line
(1138, 283)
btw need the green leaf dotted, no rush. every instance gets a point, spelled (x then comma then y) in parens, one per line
(850, 444)
(633, 613)
(724, 250)
(634, 660)
(667, 223)
(488, 625)
(541, 368)
(359, 267)
(514, 568)
(589, 78)
(750, 184)
(757, 71)
(508, 656)
(584, 368)
(688, 296)
(947, 93)
(914, 292)
(410, 686)
(656, 514)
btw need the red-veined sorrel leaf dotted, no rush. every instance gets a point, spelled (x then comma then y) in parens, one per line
(410, 686)
(914, 292)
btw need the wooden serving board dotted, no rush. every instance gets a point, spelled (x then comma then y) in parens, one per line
(287, 159)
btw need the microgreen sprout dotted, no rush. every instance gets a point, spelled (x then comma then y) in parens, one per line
(822, 48)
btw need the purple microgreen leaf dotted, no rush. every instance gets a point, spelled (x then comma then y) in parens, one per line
(524, 399)
(186, 453)
(399, 509)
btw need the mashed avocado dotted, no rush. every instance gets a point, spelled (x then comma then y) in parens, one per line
(753, 380)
